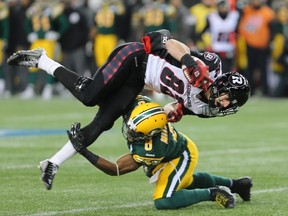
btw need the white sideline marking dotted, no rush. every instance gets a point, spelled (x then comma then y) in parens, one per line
(246, 150)
(270, 190)
(91, 209)
(49, 213)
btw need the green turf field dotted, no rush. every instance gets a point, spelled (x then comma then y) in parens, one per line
(253, 142)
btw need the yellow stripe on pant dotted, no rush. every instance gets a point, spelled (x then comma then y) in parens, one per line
(178, 173)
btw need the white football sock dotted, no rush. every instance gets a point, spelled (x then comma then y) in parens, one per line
(66, 152)
(48, 65)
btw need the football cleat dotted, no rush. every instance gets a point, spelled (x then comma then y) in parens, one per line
(48, 170)
(242, 186)
(27, 58)
(222, 196)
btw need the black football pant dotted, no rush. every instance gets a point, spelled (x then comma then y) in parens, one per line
(114, 87)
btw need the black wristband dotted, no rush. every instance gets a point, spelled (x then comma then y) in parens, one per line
(92, 158)
(188, 60)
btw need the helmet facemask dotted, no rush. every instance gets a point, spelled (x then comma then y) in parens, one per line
(146, 121)
(222, 111)
(133, 136)
(237, 89)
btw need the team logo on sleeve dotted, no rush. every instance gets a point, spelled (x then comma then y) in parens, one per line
(164, 39)
(209, 56)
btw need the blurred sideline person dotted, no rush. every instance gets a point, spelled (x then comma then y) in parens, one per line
(255, 27)
(166, 68)
(106, 29)
(16, 78)
(182, 23)
(74, 39)
(222, 26)
(4, 36)
(152, 16)
(169, 159)
(200, 11)
(44, 25)
(280, 51)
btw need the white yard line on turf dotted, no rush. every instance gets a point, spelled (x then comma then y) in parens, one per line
(91, 209)
(71, 211)
(270, 190)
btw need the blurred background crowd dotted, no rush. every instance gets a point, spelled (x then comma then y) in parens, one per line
(250, 36)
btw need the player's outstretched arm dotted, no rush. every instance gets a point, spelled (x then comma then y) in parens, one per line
(123, 165)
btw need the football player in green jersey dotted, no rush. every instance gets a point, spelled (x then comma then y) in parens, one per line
(169, 159)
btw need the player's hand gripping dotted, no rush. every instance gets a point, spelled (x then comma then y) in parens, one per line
(196, 72)
(175, 115)
(76, 137)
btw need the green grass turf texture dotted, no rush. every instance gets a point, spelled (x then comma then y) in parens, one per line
(253, 142)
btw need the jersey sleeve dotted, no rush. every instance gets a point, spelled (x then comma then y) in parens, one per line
(209, 58)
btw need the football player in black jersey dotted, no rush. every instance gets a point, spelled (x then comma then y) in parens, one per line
(169, 159)
(164, 64)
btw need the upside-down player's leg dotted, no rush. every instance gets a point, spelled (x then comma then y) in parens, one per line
(110, 110)
(117, 69)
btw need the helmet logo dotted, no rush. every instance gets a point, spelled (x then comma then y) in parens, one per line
(236, 80)
(209, 56)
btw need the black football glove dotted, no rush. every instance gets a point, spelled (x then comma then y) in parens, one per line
(156, 40)
(76, 137)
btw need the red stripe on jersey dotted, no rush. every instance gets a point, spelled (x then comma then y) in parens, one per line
(112, 67)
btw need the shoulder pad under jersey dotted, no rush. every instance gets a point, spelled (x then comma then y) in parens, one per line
(209, 58)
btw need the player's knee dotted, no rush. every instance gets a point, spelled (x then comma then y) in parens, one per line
(106, 127)
(88, 101)
(163, 203)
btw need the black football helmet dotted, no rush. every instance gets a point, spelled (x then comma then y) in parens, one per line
(236, 86)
